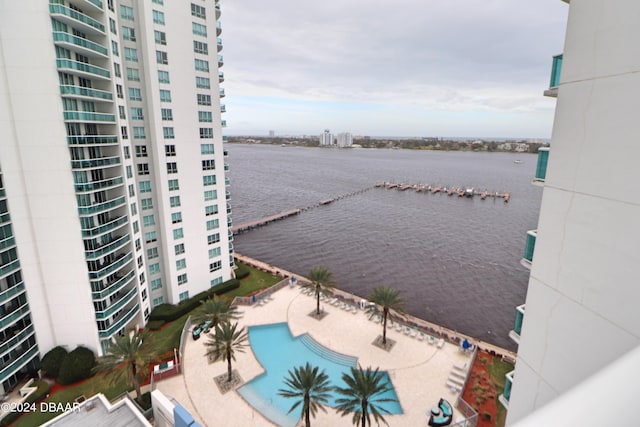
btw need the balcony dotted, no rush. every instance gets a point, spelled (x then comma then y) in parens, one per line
(110, 226)
(219, 44)
(89, 117)
(218, 28)
(8, 294)
(109, 268)
(529, 247)
(95, 163)
(112, 287)
(104, 249)
(506, 394)
(220, 61)
(96, 3)
(220, 76)
(105, 184)
(12, 316)
(227, 181)
(9, 268)
(86, 93)
(82, 69)
(16, 339)
(76, 19)
(228, 209)
(225, 138)
(120, 323)
(102, 207)
(7, 242)
(227, 195)
(517, 326)
(222, 92)
(225, 152)
(223, 108)
(218, 12)
(223, 123)
(92, 140)
(80, 45)
(122, 301)
(229, 222)
(541, 167)
(11, 368)
(556, 69)
(226, 167)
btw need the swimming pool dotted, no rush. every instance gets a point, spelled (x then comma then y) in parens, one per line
(278, 352)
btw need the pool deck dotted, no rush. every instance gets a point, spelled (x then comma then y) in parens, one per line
(419, 371)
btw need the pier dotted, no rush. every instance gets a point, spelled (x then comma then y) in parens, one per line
(449, 191)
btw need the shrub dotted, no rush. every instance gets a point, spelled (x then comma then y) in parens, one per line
(76, 366)
(242, 271)
(155, 325)
(225, 287)
(52, 360)
(40, 393)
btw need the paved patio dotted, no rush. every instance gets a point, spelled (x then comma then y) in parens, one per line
(419, 371)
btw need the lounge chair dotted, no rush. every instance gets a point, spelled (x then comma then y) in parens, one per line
(407, 330)
(399, 327)
(421, 336)
(431, 340)
(440, 342)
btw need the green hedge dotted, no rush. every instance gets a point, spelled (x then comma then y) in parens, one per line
(52, 361)
(77, 366)
(155, 325)
(169, 313)
(40, 393)
(242, 271)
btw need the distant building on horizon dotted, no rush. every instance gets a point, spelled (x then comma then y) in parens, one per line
(344, 140)
(326, 138)
(272, 133)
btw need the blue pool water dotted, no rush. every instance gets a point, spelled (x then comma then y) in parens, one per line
(278, 352)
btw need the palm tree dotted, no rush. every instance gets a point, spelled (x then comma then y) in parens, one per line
(389, 299)
(310, 387)
(361, 396)
(217, 310)
(131, 351)
(226, 341)
(321, 282)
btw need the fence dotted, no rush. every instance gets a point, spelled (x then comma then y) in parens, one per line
(256, 297)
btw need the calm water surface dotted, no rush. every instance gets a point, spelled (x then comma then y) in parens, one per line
(456, 260)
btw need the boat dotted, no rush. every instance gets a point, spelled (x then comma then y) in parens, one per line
(518, 161)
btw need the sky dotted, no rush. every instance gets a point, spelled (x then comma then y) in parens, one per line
(459, 68)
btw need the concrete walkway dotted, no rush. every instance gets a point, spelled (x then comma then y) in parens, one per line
(418, 370)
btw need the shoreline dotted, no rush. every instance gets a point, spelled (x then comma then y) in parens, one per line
(442, 331)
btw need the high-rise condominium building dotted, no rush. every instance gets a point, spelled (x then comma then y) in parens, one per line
(581, 306)
(344, 139)
(113, 168)
(326, 138)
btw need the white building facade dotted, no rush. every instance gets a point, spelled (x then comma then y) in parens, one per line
(112, 159)
(581, 312)
(344, 140)
(326, 138)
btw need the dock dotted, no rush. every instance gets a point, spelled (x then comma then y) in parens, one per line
(237, 229)
(469, 192)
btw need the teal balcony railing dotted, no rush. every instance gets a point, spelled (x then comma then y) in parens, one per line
(220, 77)
(227, 181)
(102, 207)
(227, 195)
(99, 185)
(517, 326)
(225, 138)
(84, 116)
(112, 287)
(96, 3)
(111, 267)
(226, 167)
(92, 140)
(96, 94)
(84, 68)
(112, 246)
(556, 69)
(218, 28)
(122, 301)
(110, 226)
(95, 163)
(7, 242)
(220, 61)
(223, 108)
(222, 92)
(530, 245)
(14, 340)
(58, 9)
(223, 123)
(61, 37)
(120, 323)
(541, 167)
(219, 43)
(508, 383)
(5, 296)
(11, 368)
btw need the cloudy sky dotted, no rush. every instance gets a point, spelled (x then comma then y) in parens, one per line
(391, 68)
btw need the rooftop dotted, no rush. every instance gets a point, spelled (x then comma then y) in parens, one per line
(98, 412)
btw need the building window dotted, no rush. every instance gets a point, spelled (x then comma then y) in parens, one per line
(170, 150)
(128, 34)
(172, 167)
(150, 237)
(168, 133)
(135, 94)
(114, 48)
(165, 95)
(209, 180)
(129, 172)
(206, 133)
(143, 169)
(145, 186)
(203, 82)
(116, 70)
(181, 264)
(156, 284)
(167, 114)
(210, 195)
(198, 11)
(132, 192)
(127, 154)
(142, 279)
(213, 238)
(208, 165)
(202, 65)
(216, 281)
(163, 76)
(148, 220)
(199, 29)
(200, 47)
(136, 113)
(138, 245)
(152, 253)
(212, 224)
(183, 295)
(134, 209)
(112, 26)
(158, 301)
(214, 266)
(121, 112)
(211, 210)
(205, 116)
(179, 248)
(158, 17)
(141, 151)
(133, 74)
(182, 279)
(176, 217)
(154, 269)
(136, 227)
(206, 148)
(119, 91)
(161, 57)
(126, 13)
(178, 233)
(160, 37)
(138, 132)
(214, 253)
(174, 201)
(173, 185)
(124, 132)
(146, 204)
(131, 54)
(160, 2)
(204, 99)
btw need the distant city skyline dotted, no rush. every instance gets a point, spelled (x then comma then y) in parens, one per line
(415, 69)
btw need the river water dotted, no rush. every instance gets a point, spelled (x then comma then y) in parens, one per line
(455, 260)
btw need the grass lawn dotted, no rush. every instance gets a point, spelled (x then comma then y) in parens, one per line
(497, 370)
(163, 341)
